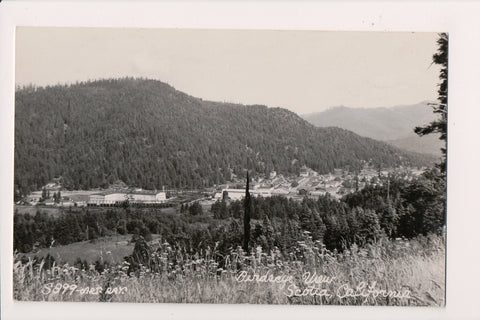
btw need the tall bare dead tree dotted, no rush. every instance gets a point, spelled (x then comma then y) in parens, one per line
(246, 217)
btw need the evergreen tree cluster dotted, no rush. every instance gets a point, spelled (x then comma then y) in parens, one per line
(193, 209)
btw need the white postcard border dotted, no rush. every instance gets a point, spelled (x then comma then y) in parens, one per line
(460, 19)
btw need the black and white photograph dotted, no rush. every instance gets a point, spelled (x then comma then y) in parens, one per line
(178, 161)
(228, 166)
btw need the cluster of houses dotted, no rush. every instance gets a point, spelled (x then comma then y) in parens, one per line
(311, 183)
(64, 201)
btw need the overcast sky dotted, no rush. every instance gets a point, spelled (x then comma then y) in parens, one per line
(304, 71)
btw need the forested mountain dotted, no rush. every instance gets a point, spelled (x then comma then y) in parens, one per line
(147, 134)
(394, 124)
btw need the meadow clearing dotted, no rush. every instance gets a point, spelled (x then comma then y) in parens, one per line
(387, 272)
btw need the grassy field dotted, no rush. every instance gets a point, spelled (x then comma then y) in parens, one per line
(402, 273)
(32, 210)
(57, 211)
(110, 249)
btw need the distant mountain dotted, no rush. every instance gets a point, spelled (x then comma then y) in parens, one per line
(147, 134)
(429, 144)
(394, 124)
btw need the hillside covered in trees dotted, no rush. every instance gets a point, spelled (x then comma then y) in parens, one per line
(147, 134)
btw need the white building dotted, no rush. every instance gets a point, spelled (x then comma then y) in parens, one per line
(263, 192)
(233, 194)
(237, 194)
(317, 193)
(97, 199)
(147, 197)
(280, 191)
(34, 198)
(111, 198)
(304, 171)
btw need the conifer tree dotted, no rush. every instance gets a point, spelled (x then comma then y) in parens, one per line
(440, 125)
(246, 217)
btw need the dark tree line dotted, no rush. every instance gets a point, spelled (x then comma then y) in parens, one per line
(193, 209)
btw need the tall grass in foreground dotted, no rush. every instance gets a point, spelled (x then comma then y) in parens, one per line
(416, 266)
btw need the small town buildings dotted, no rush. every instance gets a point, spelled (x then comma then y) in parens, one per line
(304, 171)
(49, 202)
(317, 193)
(81, 203)
(66, 203)
(262, 192)
(34, 198)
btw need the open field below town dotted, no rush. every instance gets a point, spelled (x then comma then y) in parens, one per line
(388, 272)
(57, 211)
(110, 249)
(32, 210)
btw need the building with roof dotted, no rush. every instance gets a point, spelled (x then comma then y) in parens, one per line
(115, 197)
(237, 194)
(147, 197)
